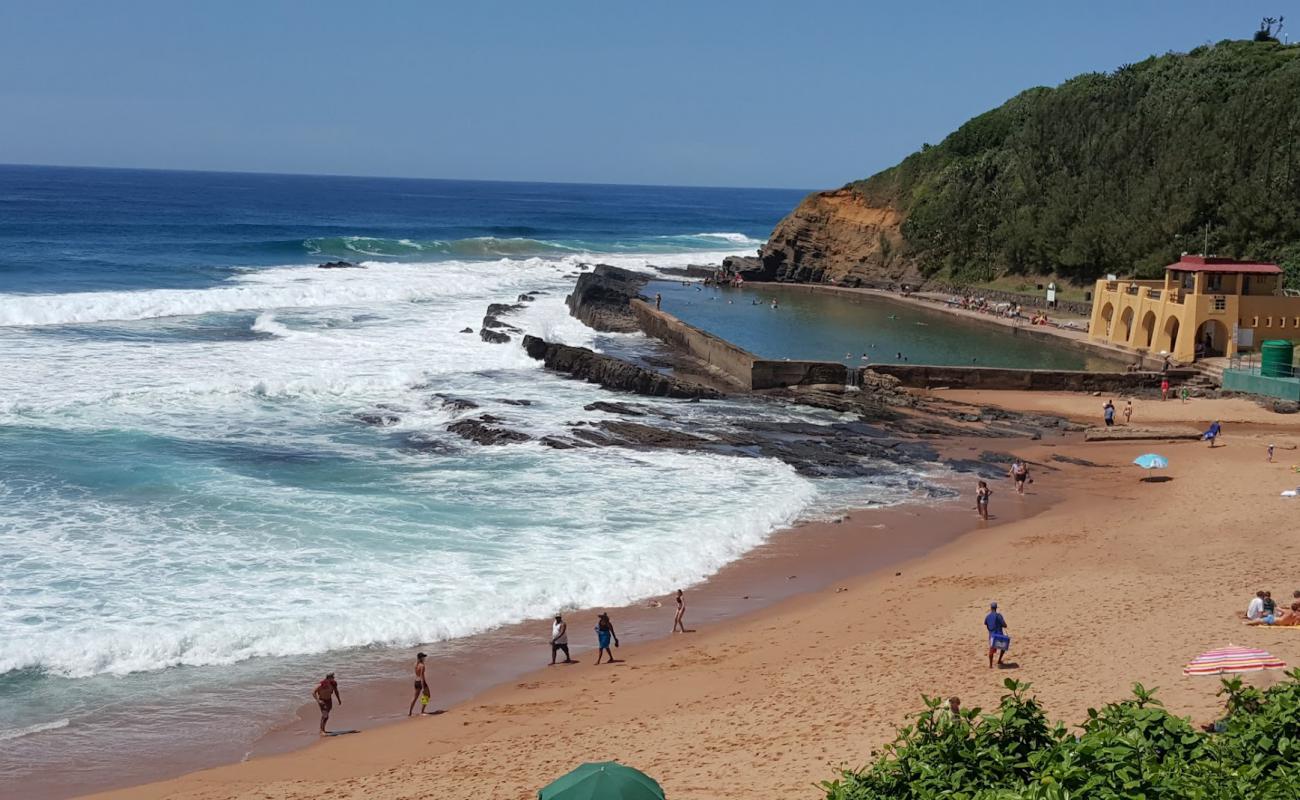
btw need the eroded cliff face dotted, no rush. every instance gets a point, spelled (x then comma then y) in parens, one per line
(837, 237)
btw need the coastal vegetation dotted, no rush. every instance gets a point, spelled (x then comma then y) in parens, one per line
(1113, 172)
(1129, 749)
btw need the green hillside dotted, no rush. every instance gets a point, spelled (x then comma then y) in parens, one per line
(1114, 172)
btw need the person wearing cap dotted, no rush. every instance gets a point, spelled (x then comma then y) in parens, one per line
(325, 693)
(560, 639)
(996, 625)
(421, 687)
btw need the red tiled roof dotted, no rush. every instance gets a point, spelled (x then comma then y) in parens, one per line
(1216, 264)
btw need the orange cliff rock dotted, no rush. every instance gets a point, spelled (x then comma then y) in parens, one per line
(837, 237)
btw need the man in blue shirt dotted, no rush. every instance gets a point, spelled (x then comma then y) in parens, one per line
(997, 626)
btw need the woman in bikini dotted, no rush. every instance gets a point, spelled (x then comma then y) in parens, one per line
(982, 495)
(678, 625)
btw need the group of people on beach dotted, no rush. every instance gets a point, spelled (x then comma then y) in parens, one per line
(1263, 610)
(326, 692)
(1019, 475)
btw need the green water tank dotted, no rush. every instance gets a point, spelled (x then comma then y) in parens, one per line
(1275, 358)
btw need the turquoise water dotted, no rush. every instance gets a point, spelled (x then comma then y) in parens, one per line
(192, 516)
(860, 330)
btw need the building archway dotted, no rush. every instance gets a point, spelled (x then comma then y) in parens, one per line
(1147, 330)
(1168, 339)
(1212, 338)
(1107, 313)
(1126, 325)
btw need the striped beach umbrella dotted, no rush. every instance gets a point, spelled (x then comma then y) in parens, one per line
(1233, 659)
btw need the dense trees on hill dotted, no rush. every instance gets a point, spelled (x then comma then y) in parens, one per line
(1115, 172)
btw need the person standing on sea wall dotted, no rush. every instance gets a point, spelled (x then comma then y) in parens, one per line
(996, 625)
(325, 693)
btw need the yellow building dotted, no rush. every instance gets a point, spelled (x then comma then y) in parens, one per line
(1205, 306)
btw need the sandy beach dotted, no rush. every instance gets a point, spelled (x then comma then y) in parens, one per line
(1117, 581)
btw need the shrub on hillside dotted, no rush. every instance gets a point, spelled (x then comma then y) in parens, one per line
(1131, 749)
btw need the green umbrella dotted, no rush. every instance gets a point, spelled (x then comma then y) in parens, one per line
(606, 780)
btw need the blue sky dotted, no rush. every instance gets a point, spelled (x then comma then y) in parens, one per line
(803, 94)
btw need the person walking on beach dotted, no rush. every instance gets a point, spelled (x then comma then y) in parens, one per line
(678, 625)
(604, 632)
(1183, 394)
(982, 495)
(1270, 452)
(1213, 433)
(560, 639)
(1164, 387)
(1128, 411)
(1108, 413)
(325, 693)
(421, 687)
(997, 626)
(659, 301)
(1019, 474)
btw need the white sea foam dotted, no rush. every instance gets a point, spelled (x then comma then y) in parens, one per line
(198, 495)
(30, 730)
(738, 238)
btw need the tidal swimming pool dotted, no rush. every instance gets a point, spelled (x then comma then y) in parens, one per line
(860, 329)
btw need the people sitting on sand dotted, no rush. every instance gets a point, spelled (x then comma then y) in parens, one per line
(1255, 610)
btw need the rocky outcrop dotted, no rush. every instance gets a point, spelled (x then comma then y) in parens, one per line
(339, 265)
(601, 298)
(611, 373)
(494, 329)
(836, 237)
(482, 431)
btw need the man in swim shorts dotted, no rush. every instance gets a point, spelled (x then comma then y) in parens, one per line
(421, 686)
(325, 693)
(996, 625)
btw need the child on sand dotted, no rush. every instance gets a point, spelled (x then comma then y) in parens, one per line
(982, 499)
(1183, 393)
(1128, 411)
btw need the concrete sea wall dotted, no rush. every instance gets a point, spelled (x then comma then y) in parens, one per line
(738, 364)
(1048, 380)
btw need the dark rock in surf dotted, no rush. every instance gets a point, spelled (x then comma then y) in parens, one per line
(379, 419)
(611, 373)
(614, 408)
(466, 330)
(457, 403)
(479, 431)
(339, 265)
(493, 337)
(514, 402)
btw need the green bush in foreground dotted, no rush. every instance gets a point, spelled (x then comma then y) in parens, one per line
(1131, 749)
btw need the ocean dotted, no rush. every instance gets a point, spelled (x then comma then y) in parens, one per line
(195, 515)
